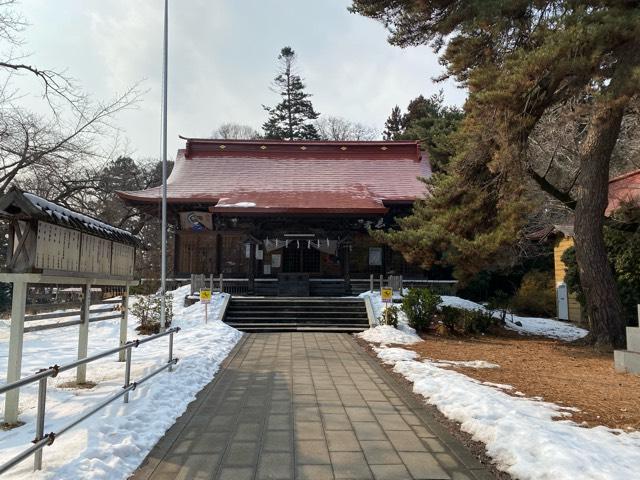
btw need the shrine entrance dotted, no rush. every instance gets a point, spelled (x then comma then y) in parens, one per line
(300, 260)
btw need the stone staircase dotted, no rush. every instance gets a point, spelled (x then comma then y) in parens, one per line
(296, 314)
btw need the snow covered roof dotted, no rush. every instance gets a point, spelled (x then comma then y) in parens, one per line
(274, 176)
(17, 202)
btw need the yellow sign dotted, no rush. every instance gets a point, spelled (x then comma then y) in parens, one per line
(387, 294)
(205, 296)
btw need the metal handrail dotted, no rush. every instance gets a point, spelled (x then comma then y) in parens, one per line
(43, 375)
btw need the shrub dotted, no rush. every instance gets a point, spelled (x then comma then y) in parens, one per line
(148, 308)
(536, 295)
(449, 317)
(420, 305)
(390, 316)
(467, 321)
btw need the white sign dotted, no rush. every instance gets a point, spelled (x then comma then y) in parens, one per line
(276, 260)
(259, 254)
(267, 269)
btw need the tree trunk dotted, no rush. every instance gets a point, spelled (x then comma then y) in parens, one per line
(603, 305)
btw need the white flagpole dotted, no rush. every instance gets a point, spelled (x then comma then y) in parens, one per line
(163, 274)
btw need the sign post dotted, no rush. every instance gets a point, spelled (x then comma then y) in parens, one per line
(205, 297)
(386, 293)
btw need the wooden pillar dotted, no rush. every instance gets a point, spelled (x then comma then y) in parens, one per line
(346, 271)
(218, 254)
(124, 323)
(16, 337)
(83, 334)
(252, 268)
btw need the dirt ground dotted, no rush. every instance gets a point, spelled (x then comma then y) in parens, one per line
(565, 374)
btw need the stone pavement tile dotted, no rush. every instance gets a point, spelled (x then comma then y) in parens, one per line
(381, 408)
(371, 395)
(336, 421)
(311, 452)
(351, 465)
(423, 466)
(411, 419)
(277, 441)
(392, 422)
(241, 454)
(279, 421)
(304, 399)
(280, 406)
(342, 441)
(276, 466)
(379, 452)
(314, 472)
(447, 460)
(406, 441)
(208, 442)
(423, 432)
(309, 431)
(308, 413)
(360, 414)
(235, 473)
(198, 467)
(248, 432)
(331, 408)
(435, 445)
(368, 431)
(390, 472)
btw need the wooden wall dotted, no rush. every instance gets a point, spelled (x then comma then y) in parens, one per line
(196, 252)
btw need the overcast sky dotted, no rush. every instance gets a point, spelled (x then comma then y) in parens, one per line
(222, 58)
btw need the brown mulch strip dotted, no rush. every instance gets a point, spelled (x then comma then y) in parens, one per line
(567, 374)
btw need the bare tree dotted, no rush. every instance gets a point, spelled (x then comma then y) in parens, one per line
(235, 131)
(341, 129)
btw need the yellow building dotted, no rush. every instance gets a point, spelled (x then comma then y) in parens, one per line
(567, 303)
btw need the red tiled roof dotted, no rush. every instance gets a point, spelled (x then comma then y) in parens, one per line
(295, 177)
(623, 189)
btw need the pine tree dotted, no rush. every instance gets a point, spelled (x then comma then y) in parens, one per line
(291, 119)
(393, 125)
(531, 57)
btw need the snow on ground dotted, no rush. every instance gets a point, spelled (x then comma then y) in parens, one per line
(113, 442)
(546, 327)
(520, 434)
(385, 334)
(465, 364)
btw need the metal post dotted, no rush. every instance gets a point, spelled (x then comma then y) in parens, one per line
(401, 286)
(127, 373)
(83, 334)
(124, 322)
(381, 282)
(171, 350)
(211, 282)
(371, 282)
(16, 338)
(42, 400)
(163, 274)
(221, 283)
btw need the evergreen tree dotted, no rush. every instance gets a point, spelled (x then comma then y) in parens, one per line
(433, 123)
(520, 61)
(292, 118)
(393, 125)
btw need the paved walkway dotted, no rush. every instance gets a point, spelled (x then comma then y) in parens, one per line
(306, 406)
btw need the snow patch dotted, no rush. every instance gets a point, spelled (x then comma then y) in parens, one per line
(546, 327)
(529, 439)
(464, 363)
(112, 443)
(387, 334)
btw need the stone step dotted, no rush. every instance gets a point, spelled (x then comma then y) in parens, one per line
(633, 339)
(295, 313)
(626, 361)
(297, 327)
(271, 319)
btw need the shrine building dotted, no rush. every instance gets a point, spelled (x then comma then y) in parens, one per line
(267, 210)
